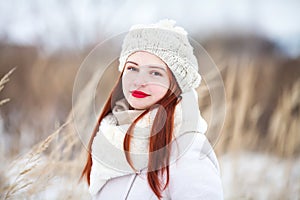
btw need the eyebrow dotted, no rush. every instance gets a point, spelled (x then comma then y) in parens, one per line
(150, 66)
(131, 63)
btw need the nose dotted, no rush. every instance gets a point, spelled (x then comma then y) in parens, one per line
(140, 80)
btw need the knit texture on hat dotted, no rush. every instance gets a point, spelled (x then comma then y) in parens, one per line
(170, 44)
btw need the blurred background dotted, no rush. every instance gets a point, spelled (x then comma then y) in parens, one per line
(255, 44)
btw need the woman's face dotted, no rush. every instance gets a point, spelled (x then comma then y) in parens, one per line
(145, 80)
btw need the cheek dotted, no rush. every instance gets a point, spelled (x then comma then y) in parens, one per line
(159, 84)
(125, 85)
(124, 80)
(127, 79)
(158, 91)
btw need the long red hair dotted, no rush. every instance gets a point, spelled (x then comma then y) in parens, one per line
(160, 136)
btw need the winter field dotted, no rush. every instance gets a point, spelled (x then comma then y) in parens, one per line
(258, 146)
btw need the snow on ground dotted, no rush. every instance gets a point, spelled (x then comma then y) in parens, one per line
(259, 176)
(246, 175)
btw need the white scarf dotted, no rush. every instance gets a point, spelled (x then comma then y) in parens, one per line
(108, 156)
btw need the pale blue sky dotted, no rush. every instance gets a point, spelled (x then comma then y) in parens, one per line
(58, 24)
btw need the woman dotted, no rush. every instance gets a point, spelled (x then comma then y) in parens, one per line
(149, 140)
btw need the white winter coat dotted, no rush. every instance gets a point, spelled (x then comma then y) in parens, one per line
(193, 175)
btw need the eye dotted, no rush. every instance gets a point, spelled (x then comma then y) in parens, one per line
(131, 68)
(156, 73)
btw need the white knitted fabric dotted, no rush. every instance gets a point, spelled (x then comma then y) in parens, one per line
(170, 44)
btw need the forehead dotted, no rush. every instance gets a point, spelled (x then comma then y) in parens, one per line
(145, 58)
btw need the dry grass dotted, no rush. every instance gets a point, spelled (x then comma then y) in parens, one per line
(30, 161)
(260, 116)
(49, 168)
(3, 81)
(262, 112)
(284, 126)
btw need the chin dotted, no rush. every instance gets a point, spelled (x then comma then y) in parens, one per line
(138, 105)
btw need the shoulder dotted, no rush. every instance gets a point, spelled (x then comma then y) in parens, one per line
(195, 175)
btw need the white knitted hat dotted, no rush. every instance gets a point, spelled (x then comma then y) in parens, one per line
(170, 44)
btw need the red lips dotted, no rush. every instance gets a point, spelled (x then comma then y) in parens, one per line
(139, 94)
